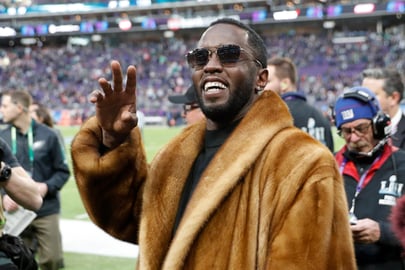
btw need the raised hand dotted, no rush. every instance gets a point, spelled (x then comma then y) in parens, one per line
(116, 105)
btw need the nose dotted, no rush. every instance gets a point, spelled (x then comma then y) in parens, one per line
(353, 137)
(213, 62)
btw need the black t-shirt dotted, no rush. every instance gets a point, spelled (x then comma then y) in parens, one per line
(212, 142)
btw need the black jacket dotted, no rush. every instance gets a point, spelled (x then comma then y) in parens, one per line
(398, 139)
(384, 184)
(7, 155)
(49, 166)
(309, 118)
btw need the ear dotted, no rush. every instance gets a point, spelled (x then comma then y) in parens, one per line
(22, 108)
(395, 96)
(262, 78)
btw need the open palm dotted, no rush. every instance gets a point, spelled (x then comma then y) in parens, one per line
(116, 103)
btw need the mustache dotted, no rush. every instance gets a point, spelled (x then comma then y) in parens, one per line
(369, 152)
(357, 146)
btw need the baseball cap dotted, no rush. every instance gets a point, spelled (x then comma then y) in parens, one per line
(355, 103)
(186, 98)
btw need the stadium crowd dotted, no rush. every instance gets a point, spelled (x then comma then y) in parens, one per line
(63, 76)
(274, 2)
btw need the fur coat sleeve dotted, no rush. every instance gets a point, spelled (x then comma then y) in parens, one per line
(110, 184)
(271, 198)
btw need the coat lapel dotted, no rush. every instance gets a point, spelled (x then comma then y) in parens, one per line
(227, 168)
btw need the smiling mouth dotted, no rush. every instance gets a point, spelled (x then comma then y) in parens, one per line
(213, 87)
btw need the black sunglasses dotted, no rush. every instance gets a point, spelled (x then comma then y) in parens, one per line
(227, 55)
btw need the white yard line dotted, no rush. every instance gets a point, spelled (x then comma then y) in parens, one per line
(85, 237)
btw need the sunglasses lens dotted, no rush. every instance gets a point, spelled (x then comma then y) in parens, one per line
(228, 54)
(198, 57)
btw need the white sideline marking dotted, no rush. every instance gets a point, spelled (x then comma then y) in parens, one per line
(85, 237)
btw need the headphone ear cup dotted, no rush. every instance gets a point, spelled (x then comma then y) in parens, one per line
(381, 126)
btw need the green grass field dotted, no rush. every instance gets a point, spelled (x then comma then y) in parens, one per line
(72, 207)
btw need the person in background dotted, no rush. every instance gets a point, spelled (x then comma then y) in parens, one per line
(42, 115)
(374, 176)
(388, 86)
(241, 189)
(191, 110)
(283, 80)
(37, 149)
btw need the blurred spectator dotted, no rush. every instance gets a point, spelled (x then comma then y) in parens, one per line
(42, 115)
(191, 110)
(69, 73)
(388, 86)
(283, 80)
(38, 150)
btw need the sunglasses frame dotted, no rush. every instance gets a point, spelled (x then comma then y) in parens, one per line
(222, 52)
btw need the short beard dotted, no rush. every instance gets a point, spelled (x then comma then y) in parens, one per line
(222, 114)
(228, 112)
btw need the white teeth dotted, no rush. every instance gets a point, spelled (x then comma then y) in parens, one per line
(215, 85)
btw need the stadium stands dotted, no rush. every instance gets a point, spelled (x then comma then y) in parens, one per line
(63, 76)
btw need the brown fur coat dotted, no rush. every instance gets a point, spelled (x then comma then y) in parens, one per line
(271, 198)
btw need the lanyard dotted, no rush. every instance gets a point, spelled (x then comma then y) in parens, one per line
(30, 144)
(359, 186)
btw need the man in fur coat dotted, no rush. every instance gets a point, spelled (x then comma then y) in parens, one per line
(242, 189)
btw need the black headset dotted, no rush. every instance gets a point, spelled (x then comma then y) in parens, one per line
(381, 121)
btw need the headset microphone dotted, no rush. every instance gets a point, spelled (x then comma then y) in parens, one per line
(377, 147)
